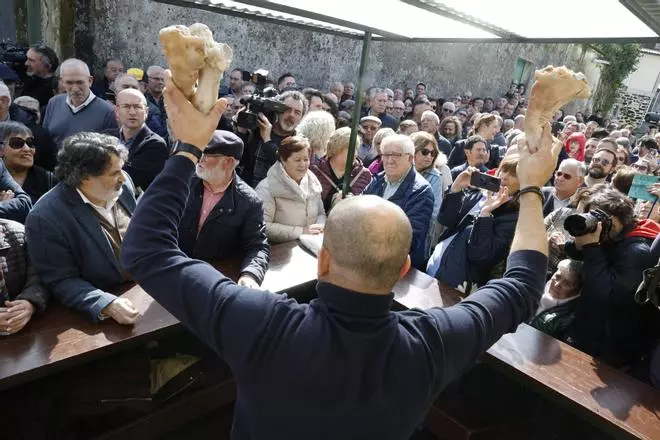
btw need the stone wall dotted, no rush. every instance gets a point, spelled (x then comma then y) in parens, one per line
(632, 107)
(128, 29)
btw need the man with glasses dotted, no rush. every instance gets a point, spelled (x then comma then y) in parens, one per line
(603, 162)
(642, 166)
(431, 125)
(157, 119)
(369, 125)
(569, 177)
(147, 152)
(402, 185)
(223, 215)
(398, 109)
(448, 109)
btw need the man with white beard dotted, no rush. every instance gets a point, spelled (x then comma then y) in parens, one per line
(223, 215)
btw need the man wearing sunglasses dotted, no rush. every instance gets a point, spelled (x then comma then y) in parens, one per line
(569, 177)
(603, 162)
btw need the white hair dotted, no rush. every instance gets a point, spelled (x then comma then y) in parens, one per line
(317, 128)
(152, 69)
(4, 91)
(407, 145)
(569, 118)
(580, 167)
(431, 114)
(74, 63)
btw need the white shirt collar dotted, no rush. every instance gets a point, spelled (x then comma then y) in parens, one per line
(108, 205)
(75, 109)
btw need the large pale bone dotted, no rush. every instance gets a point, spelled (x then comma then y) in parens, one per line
(196, 61)
(554, 87)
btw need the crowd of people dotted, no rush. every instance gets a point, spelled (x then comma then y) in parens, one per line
(78, 153)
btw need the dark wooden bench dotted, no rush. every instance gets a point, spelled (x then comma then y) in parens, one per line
(611, 400)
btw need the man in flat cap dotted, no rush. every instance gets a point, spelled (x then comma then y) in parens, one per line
(223, 215)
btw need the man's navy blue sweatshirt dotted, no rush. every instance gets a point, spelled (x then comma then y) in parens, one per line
(342, 367)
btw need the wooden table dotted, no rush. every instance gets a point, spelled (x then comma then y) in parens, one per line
(608, 398)
(64, 338)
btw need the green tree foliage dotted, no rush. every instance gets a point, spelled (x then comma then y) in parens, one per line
(623, 60)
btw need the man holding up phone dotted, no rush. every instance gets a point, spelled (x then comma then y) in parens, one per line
(476, 154)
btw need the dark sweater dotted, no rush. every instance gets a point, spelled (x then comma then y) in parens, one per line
(345, 365)
(60, 121)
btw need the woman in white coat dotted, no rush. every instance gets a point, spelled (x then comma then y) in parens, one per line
(291, 194)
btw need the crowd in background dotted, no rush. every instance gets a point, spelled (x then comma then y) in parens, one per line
(277, 177)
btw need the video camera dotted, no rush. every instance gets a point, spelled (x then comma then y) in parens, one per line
(263, 101)
(13, 55)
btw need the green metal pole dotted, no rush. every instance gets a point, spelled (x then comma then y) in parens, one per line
(356, 113)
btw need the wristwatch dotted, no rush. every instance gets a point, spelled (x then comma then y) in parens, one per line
(188, 148)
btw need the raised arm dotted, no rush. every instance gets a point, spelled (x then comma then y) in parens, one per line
(466, 330)
(228, 318)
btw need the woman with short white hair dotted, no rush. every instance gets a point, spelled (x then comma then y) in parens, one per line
(317, 128)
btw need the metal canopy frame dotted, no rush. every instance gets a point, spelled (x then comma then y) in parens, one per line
(647, 11)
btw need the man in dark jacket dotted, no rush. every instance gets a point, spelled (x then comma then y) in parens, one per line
(40, 66)
(405, 187)
(346, 362)
(261, 144)
(223, 214)
(75, 231)
(609, 323)
(378, 109)
(475, 154)
(147, 151)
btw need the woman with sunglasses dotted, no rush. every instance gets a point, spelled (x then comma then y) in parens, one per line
(427, 157)
(17, 149)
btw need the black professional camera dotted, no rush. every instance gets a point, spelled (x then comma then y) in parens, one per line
(263, 101)
(13, 55)
(582, 224)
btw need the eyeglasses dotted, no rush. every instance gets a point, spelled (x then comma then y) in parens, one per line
(563, 175)
(399, 108)
(640, 167)
(448, 110)
(393, 156)
(17, 143)
(369, 128)
(604, 162)
(462, 114)
(426, 152)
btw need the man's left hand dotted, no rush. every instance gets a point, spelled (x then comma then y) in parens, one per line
(188, 124)
(248, 281)
(19, 313)
(591, 238)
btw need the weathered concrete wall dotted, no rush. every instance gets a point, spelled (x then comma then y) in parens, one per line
(129, 29)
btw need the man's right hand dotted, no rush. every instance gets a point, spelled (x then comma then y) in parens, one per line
(313, 229)
(122, 311)
(6, 195)
(463, 180)
(535, 168)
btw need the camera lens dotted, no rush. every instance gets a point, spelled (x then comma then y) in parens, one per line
(580, 224)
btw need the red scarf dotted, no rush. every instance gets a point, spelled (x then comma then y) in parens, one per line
(645, 228)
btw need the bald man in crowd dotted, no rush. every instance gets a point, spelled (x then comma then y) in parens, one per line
(346, 365)
(157, 119)
(79, 109)
(147, 152)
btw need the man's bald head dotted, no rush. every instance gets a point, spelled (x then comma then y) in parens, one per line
(130, 95)
(368, 239)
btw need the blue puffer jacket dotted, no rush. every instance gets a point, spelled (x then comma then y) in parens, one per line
(415, 197)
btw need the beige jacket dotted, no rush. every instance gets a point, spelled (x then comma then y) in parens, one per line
(289, 207)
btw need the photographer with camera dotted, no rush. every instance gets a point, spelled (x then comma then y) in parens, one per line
(265, 121)
(615, 248)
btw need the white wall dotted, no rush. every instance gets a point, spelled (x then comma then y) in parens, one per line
(644, 80)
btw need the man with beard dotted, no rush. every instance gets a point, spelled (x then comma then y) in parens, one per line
(40, 66)
(79, 110)
(76, 230)
(223, 215)
(603, 162)
(261, 145)
(590, 148)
